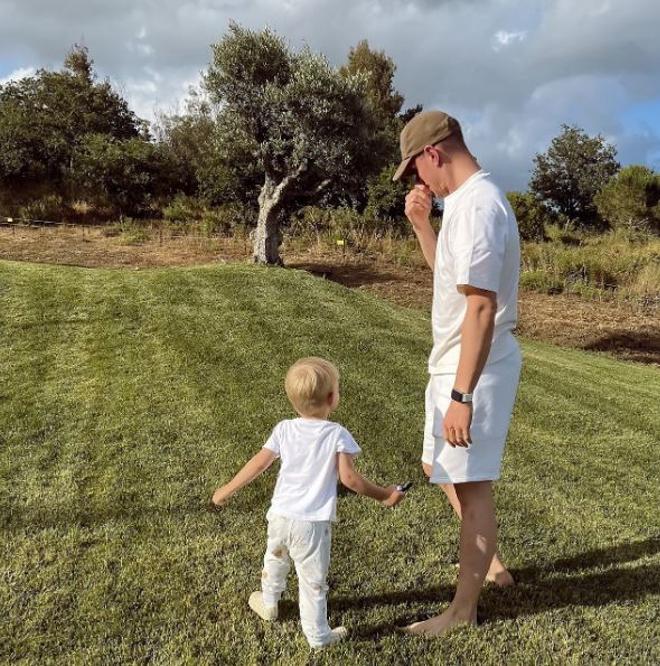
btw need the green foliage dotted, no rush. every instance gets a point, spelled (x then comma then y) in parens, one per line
(132, 232)
(45, 117)
(343, 222)
(377, 69)
(565, 233)
(532, 216)
(293, 109)
(128, 396)
(49, 208)
(386, 200)
(631, 199)
(213, 163)
(305, 125)
(223, 219)
(541, 281)
(571, 172)
(608, 264)
(128, 174)
(227, 219)
(183, 209)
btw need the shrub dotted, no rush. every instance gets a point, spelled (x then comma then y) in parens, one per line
(601, 264)
(132, 232)
(183, 209)
(563, 233)
(311, 220)
(49, 208)
(386, 201)
(541, 281)
(531, 214)
(227, 219)
(631, 199)
(129, 175)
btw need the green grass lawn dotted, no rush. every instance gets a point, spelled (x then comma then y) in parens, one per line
(126, 397)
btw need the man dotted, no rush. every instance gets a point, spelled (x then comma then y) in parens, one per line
(475, 362)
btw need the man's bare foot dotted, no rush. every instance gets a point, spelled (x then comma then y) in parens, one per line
(440, 624)
(499, 574)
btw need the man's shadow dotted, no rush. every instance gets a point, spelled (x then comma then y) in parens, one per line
(538, 589)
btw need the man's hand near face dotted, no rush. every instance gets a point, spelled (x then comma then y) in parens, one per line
(419, 202)
(418, 206)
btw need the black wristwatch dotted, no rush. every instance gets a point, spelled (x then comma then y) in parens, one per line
(465, 398)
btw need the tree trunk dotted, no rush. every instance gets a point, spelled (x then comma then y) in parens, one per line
(272, 197)
(267, 237)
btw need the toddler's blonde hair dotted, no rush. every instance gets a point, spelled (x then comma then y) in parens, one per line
(309, 382)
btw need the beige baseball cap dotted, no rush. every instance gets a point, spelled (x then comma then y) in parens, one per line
(425, 129)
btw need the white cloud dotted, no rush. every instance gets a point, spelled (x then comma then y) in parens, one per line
(511, 70)
(502, 38)
(18, 74)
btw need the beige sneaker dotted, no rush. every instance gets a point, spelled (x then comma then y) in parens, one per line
(337, 634)
(256, 603)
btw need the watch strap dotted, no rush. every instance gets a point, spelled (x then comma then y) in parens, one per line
(464, 398)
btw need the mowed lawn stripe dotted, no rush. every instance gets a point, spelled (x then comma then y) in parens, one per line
(126, 396)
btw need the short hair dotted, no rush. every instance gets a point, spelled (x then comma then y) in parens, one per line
(309, 382)
(453, 142)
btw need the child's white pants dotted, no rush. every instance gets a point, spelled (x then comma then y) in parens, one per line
(308, 545)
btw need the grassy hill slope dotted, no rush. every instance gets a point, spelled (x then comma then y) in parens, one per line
(127, 396)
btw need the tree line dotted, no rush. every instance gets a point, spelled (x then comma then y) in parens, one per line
(274, 129)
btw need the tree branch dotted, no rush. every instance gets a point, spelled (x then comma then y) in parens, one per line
(317, 190)
(288, 180)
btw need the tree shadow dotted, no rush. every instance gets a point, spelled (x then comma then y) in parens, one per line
(598, 557)
(641, 346)
(538, 589)
(350, 275)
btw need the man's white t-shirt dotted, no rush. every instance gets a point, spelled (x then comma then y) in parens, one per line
(306, 487)
(478, 245)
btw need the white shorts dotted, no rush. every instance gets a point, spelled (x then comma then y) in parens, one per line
(493, 402)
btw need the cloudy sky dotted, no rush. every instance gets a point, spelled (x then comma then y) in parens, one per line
(511, 70)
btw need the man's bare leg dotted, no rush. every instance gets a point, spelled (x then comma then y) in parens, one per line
(497, 572)
(477, 547)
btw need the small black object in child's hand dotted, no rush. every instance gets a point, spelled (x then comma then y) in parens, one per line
(404, 487)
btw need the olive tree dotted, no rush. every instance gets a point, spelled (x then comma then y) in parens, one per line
(303, 122)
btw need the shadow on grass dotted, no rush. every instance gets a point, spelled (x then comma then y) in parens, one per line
(350, 275)
(640, 346)
(538, 589)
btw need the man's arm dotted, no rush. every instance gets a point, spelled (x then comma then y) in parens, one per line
(354, 481)
(258, 464)
(476, 338)
(418, 210)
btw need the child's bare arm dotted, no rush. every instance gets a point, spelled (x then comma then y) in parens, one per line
(258, 464)
(353, 480)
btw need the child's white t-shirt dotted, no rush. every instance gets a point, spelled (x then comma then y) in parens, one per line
(306, 487)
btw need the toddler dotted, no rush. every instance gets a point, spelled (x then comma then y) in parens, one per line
(313, 452)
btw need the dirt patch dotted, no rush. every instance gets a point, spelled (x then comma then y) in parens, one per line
(92, 248)
(617, 328)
